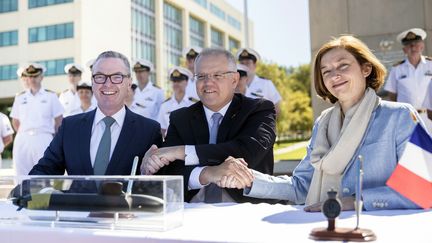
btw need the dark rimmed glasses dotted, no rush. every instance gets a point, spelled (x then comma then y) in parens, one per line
(214, 76)
(116, 78)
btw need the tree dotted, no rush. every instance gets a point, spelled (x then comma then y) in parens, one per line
(293, 85)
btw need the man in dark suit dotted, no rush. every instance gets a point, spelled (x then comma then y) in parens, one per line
(201, 137)
(106, 140)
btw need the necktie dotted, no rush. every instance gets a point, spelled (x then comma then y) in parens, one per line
(103, 151)
(213, 193)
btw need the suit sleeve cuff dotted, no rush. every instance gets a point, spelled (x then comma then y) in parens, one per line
(191, 155)
(194, 182)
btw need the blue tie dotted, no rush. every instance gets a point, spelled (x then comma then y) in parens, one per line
(103, 152)
(213, 193)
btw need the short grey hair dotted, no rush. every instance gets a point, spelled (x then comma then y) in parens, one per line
(216, 52)
(113, 54)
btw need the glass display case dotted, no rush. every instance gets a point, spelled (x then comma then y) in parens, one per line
(111, 202)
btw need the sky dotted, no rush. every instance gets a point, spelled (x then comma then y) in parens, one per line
(281, 29)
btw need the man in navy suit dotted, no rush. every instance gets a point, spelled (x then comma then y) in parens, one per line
(106, 140)
(242, 127)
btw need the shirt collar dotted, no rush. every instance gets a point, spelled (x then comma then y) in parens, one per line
(209, 113)
(118, 117)
(40, 92)
(148, 85)
(185, 98)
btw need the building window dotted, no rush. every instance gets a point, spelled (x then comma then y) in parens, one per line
(173, 34)
(234, 22)
(203, 3)
(143, 30)
(217, 11)
(196, 30)
(8, 72)
(217, 38)
(8, 6)
(147, 4)
(42, 3)
(51, 32)
(9, 38)
(55, 67)
(233, 45)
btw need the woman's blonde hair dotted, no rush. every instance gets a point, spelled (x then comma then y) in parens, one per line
(360, 52)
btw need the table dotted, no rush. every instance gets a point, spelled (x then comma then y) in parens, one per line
(238, 223)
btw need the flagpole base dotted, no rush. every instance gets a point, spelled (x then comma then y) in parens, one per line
(343, 234)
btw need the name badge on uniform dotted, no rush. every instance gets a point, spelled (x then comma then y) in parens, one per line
(402, 76)
(257, 95)
(259, 91)
(24, 102)
(43, 101)
(428, 73)
(149, 99)
(139, 105)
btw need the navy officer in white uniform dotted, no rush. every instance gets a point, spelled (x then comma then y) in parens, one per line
(190, 53)
(258, 87)
(148, 97)
(36, 115)
(179, 77)
(410, 78)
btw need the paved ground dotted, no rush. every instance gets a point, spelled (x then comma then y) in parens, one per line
(291, 148)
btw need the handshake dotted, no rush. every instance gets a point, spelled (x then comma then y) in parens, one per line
(232, 173)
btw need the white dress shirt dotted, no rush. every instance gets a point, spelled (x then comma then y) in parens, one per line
(148, 101)
(169, 106)
(263, 88)
(36, 112)
(191, 155)
(99, 128)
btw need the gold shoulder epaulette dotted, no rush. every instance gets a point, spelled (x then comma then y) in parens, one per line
(428, 58)
(47, 90)
(154, 85)
(398, 63)
(193, 99)
(166, 100)
(20, 93)
(66, 90)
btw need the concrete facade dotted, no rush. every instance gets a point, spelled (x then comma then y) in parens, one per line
(376, 23)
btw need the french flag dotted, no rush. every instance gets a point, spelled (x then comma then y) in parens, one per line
(412, 177)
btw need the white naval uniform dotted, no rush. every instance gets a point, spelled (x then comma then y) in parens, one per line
(263, 88)
(148, 101)
(191, 89)
(80, 110)
(169, 106)
(5, 130)
(411, 85)
(71, 102)
(36, 115)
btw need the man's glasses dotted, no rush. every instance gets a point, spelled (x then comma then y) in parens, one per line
(214, 76)
(116, 78)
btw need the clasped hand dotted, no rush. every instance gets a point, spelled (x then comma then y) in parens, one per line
(156, 158)
(232, 173)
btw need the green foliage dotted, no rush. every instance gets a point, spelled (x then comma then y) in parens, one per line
(293, 84)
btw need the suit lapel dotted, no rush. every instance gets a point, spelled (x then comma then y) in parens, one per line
(199, 125)
(84, 141)
(125, 137)
(228, 120)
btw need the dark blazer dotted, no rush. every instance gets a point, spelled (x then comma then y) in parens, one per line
(246, 131)
(70, 148)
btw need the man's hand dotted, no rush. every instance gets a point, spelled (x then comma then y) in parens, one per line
(347, 205)
(156, 158)
(232, 173)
